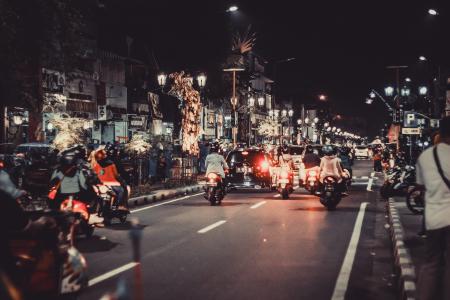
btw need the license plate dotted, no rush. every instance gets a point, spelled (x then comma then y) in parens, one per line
(248, 170)
(212, 183)
(239, 170)
(329, 188)
(283, 180)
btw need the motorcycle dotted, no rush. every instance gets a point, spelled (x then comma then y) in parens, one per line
(415, 200)
(285, 183)
(50, 267)
(397, 182)
(81, 211)
(330, 195)
(312, 180)
(109, 208)
(214, 190)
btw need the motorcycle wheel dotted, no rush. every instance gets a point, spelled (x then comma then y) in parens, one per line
(123, 219)
(89, 231)
(285, 194)
(414, 201)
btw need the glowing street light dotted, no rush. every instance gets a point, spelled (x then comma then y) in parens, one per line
(322, 97)
(299, 122)
(372, 95)
(201, 80)
(306, 120)
(261, 101)
(284, 113)
(407, 79)
(232, 8)
(326, 125)
(405, 91)
(433, 12)
(162, 79)
(291, 113)
(422, 58)
(251, 102)
(423, 90)
(316, 120)
(389, 91)
(369, 101)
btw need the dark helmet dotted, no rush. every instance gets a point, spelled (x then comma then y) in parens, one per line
(214, 147)
(68, 159)
(309, 149)
(328, 150)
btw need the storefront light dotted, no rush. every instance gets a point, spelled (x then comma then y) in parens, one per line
(18, 119)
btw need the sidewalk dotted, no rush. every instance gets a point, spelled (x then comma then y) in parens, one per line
(159, 194)
(408, 246)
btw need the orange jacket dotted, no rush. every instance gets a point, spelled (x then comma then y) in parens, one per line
(107, 175)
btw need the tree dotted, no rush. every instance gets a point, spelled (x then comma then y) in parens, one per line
(37, 34)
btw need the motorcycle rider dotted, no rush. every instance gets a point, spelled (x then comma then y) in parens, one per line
(330, 165)
(107, 173)
(311, 159)
(68, 179)
(216, 163)
(346, 161)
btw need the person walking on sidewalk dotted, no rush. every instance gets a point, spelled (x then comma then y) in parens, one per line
(433, 173)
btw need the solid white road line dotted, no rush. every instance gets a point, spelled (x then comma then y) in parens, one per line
(364, 177)
(164, 203)
(112, 273)
(277, 196)
(372, 174)
(258, 205)
(211, 227)
(344, 275)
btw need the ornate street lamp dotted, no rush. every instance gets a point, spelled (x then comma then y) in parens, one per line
(284, 113)
(271, 113)
(306, 120)
(17, 120)
(326, 125)
(276, 113)
(299, 122)
(201, 80)
(405, 91)
(162, 79)
(291, 113)
(316, 120)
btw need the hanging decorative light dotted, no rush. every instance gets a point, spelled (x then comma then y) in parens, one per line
(261, 101)
(162, 79)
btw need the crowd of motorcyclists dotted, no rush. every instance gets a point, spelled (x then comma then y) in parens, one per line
(72, 182)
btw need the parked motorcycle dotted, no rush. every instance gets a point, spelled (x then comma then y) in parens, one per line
(330, 195)
(415, 200)
(285, 185)
(397, 182)
(109, 208)
(46, 265)
(214, 189)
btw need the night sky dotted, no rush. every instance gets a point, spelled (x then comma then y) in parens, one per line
(341, 48)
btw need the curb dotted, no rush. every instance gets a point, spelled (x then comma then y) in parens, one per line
(163, 195)
(404, 266)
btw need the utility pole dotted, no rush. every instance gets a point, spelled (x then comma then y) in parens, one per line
(234, 101)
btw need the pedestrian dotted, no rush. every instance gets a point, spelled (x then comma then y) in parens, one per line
(377, 162)
(152, 164)
(433, 174)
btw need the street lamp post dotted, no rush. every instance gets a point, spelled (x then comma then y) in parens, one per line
(234, 101)
(290, 114)
(201, 81)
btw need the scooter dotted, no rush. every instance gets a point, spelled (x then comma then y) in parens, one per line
(81, 211)
(50, 268)
(330, 195)
(285, 183)
(109, 208)
(214, 189)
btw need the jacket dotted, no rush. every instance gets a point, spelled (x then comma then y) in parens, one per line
(215, 163)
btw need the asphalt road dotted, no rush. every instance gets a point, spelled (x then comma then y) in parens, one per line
(254, 246)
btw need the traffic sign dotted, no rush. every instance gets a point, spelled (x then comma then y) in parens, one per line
(410, 131)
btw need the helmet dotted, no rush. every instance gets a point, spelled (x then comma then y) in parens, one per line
(68, 159)
(328, 150)
(214, 147)
(309, 149)
(100, 155)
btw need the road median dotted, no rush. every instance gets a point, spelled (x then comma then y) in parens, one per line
(163, 194)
